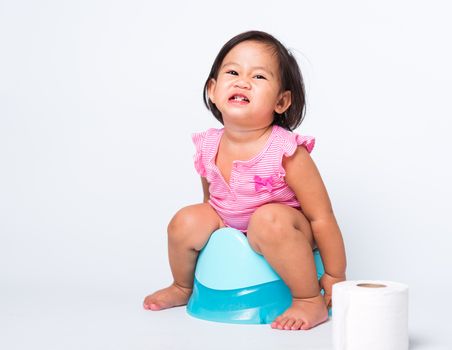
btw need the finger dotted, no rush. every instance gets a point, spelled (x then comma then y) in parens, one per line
(326, 300)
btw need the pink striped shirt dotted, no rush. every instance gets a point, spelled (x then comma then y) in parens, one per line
(254, 182)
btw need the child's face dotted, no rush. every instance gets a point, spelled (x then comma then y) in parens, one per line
(247, 90)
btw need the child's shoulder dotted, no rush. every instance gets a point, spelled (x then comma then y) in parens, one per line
(206, 139)
(206, 133)
(290, 140)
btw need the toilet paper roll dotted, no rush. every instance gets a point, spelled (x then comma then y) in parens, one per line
(370, 315)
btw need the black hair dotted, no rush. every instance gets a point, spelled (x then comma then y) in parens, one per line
(290, 77)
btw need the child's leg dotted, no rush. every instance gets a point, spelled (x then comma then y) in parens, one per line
(283, 236)
(188, 232)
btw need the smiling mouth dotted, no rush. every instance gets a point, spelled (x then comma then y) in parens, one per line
(239, 98)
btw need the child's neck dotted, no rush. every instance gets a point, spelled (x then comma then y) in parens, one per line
(246, 135)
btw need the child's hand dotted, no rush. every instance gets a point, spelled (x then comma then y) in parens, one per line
(326, 283)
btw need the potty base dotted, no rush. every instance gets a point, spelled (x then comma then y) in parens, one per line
(259, 304)
(234, 284)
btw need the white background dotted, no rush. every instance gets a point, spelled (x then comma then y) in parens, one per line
(97, 103)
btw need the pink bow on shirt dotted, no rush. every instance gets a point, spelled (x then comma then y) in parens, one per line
(263, 182)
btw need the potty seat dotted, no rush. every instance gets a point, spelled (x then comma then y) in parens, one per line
(234, 284)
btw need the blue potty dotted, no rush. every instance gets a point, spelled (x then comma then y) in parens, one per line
(234, 284)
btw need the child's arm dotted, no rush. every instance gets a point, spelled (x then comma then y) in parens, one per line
(304, 179)
(205, 189)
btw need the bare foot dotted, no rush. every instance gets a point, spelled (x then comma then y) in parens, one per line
(303, 314)
(174, 295)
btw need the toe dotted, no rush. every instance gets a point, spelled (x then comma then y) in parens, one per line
(278, 319)
(146, 304)
(277, 325)
(289, 324)
(277, 322)
(155, 307)
(297, 324)
(282, 323)
(152, 305)
(305, 326)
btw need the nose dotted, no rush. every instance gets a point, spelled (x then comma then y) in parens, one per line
(242, 83)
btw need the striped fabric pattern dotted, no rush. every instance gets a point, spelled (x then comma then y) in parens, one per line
(252, 183)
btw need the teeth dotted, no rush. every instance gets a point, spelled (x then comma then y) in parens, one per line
(240, 98)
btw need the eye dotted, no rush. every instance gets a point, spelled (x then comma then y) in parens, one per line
(232, 72)
(258, 76)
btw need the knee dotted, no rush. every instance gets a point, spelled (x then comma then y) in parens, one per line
(181, 225)
(267, 226)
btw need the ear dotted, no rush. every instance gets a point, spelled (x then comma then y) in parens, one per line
(211, 89)
(284, 102)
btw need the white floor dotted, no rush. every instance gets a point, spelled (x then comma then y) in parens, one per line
(74, 318)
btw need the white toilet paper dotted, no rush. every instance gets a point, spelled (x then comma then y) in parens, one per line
(370, 315)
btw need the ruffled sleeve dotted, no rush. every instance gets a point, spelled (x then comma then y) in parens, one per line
(295, 140)
(198, 140)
